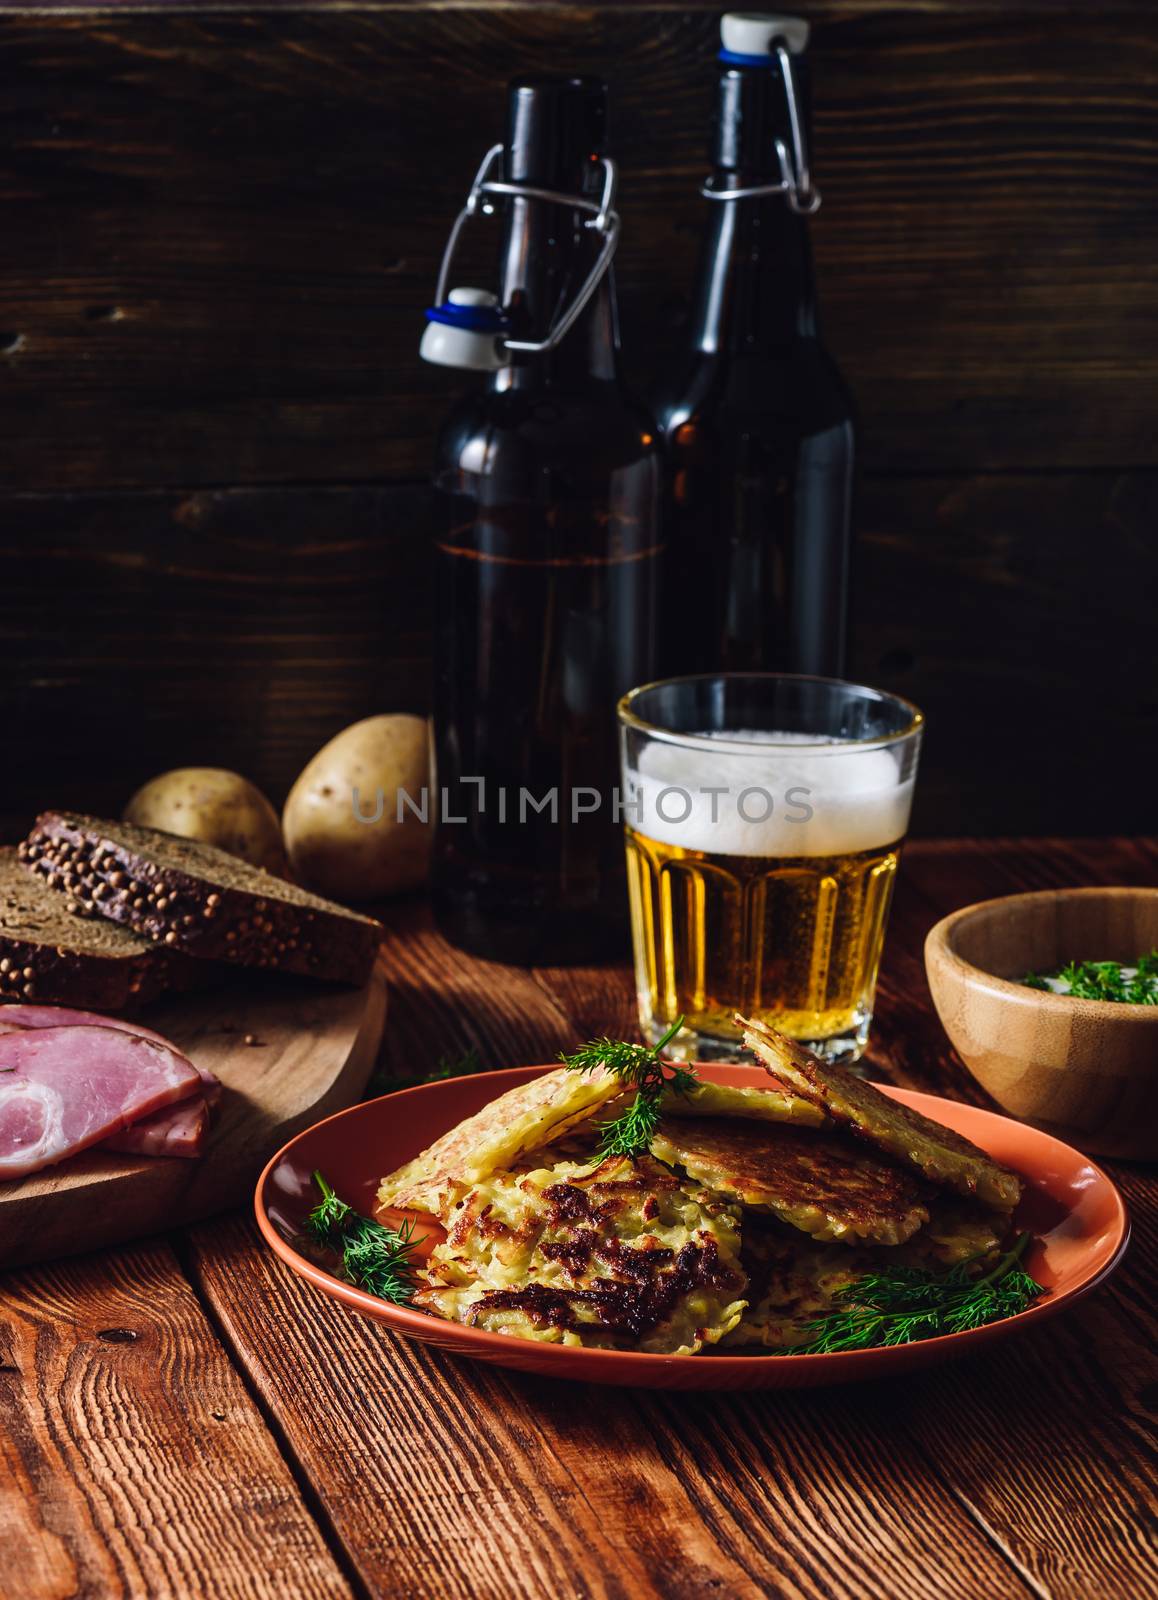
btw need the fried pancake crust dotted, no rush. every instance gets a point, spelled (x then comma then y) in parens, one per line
(525, 1118)
(936, 1152)
(581, 1141)
(722, 1100)
(793, 1281)
(615, 1254)
(823, 1184)
(956, 1231)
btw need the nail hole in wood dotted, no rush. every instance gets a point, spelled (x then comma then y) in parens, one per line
(103, 313)
(10, 343)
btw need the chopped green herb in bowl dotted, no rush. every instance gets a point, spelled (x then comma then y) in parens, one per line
(1103, 980)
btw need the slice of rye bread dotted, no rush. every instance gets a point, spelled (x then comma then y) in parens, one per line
(61, 957)
(193, 897)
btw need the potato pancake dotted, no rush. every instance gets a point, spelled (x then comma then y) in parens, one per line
(824, 1184)
(955, 1232)
(581, 1141)
(722, 1100)
(525, 1118)
(936, 1152)
(619, 1254)
(792, 1281)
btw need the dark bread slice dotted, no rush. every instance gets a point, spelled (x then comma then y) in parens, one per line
(195, 898)
(61, 957)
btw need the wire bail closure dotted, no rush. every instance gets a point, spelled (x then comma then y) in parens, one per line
(602, 218)
(795, 177)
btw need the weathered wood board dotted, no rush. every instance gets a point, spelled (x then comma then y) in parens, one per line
(313, 1049)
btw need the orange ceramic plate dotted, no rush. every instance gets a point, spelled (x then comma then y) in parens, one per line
(1074, 1211)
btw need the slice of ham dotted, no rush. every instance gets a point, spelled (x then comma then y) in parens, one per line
(13, 1017)
(174, 1130)
(65, 1089)
(179, 1130)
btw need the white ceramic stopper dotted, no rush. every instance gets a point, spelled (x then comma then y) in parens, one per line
(753, 33)
(470, 348)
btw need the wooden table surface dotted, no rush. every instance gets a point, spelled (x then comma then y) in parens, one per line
(183, 1418)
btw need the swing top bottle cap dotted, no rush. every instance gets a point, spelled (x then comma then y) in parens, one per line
(751, 113)
(754, 33)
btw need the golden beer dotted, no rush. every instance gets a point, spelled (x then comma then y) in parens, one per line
(763, 817)
(795, 941)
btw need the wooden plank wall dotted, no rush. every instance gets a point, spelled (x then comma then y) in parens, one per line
(220, 227)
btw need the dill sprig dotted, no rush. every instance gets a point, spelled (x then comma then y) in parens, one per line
(1104, 980)
(908, 1303)
(636, 1065)
(373, 1257)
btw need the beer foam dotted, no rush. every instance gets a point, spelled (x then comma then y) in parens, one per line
(777, 801)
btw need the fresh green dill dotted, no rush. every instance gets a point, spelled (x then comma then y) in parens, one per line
(637, 1066)
(1104, 980)
(373, 1257)
(631, 1133)
(903, 1304)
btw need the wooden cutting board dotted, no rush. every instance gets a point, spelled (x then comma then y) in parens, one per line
(313, 1050)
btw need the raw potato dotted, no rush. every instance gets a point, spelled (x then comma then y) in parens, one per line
(334, 851)
(216, 806)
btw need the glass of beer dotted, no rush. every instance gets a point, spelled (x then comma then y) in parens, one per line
(764, 815)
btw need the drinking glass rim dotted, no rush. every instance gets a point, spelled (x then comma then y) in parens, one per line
(699, 741)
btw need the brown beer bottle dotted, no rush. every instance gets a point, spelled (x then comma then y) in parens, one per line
(758, 423)
(548, 480)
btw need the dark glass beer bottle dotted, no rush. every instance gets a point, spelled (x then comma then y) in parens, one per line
(758, 423)
(549, 483)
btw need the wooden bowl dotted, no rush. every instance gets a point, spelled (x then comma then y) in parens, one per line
(1086, 1069)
